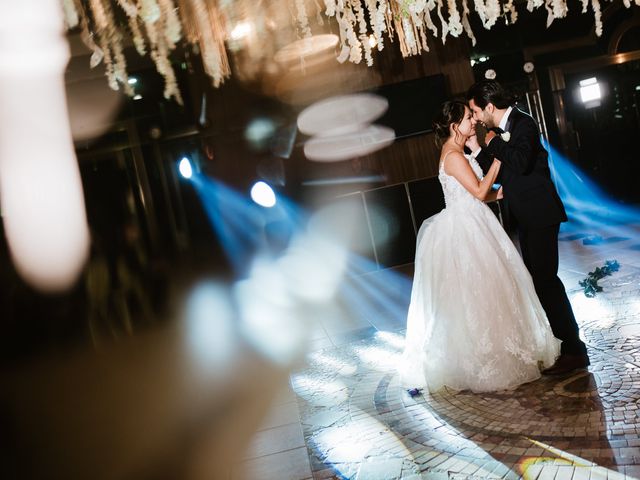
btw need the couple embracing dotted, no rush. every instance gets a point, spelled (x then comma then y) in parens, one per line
(482, 317)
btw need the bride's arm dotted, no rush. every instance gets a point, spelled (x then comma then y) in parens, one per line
(458, 167)
(493, 195)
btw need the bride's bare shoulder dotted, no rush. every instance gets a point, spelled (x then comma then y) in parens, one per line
(452, 160)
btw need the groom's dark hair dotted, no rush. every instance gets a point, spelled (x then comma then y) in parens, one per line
(490, 91)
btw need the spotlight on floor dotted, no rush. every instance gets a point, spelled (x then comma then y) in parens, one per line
(185, 168)
(263, 194)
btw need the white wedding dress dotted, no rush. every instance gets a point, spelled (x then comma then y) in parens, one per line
(474, 321)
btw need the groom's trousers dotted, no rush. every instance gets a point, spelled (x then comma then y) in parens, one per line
(539, 247)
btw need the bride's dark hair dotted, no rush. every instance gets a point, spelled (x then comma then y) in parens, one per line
(451, 112)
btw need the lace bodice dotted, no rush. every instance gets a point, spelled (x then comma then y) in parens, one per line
(453, 190)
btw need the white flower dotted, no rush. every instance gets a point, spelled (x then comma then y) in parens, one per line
(505, 136)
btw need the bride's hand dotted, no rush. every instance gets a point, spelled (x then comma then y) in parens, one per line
(499, 195)
(472, 143)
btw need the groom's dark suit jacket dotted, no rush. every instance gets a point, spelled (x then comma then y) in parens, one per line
(529, 194)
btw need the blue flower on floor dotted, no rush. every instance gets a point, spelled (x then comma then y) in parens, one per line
(590, 284)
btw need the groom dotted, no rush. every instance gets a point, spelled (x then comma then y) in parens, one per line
(532, 200)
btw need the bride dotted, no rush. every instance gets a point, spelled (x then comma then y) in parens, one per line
(474, 321)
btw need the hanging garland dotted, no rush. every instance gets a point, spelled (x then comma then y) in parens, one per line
(157, 26)
(590, 284)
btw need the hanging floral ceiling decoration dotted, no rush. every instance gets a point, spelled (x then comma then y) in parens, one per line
(156, 27)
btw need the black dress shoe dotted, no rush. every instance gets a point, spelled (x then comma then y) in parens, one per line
(567, 363)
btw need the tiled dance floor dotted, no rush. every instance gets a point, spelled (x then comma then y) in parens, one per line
(358, 423)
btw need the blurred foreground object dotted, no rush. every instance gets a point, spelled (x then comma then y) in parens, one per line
(180, 401)
(40, 187)
(340, 127)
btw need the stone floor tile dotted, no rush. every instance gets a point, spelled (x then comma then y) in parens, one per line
(281, 414)
(276, 440)
(289, 465)
(565, 472)
(380, 469)
(548, 472)
(435, 476)
(581, 473)
(632, 471)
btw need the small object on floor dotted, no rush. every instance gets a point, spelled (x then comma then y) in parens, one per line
(590, 284)
(414, 391)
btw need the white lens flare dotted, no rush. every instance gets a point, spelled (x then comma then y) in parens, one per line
(263, 194)
(185, 168)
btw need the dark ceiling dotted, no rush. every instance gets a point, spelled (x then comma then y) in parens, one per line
(530, 31)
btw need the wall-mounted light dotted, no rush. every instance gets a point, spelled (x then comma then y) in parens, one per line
(263, 194)
(475, 61)
(590, 93)
(185, 169)
(490, 74)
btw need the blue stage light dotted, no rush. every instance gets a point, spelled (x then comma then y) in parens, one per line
(263, 194)
(185, 168)
(587, 203)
